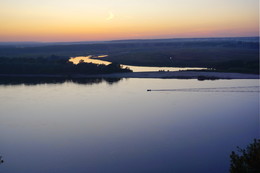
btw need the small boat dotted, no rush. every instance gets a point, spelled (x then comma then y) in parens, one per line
(149, 90)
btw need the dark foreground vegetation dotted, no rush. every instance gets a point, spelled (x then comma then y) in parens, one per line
(223, 54)
(246, 160)
(54, 65)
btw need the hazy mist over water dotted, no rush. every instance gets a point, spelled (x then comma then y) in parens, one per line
(120, 127)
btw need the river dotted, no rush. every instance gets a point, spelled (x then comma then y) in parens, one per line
(117, 126)
(98, 60)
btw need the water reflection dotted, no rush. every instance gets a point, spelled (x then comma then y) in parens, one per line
(53, 80)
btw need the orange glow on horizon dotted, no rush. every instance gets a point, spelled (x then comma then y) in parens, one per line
(66, 20)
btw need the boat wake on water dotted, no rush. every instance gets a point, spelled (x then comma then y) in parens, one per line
(216, 89)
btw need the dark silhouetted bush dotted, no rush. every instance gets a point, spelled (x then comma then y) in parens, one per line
(1, 160)
(248, 160)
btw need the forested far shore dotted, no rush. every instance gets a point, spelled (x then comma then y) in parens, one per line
(236, 54)
(57, 65)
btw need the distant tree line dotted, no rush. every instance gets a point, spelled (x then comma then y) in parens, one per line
(238, 66)
(114, 47)
(239, 54)
(55, 65)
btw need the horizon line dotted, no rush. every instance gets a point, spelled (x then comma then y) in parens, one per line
(134, 39)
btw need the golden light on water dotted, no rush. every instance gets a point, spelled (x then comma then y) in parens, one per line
(102, 56)
(87, 59)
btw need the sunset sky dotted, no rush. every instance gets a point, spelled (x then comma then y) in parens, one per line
(91, 20)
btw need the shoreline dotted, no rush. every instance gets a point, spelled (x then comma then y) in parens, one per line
(164, 75)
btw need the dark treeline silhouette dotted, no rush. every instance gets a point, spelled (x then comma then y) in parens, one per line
(246, 160)
(239, 66)
(54, 65)
(54, 80)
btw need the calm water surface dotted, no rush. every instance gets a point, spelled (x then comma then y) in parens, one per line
(120, 127)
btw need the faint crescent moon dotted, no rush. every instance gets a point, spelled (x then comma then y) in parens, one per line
(111, 16)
